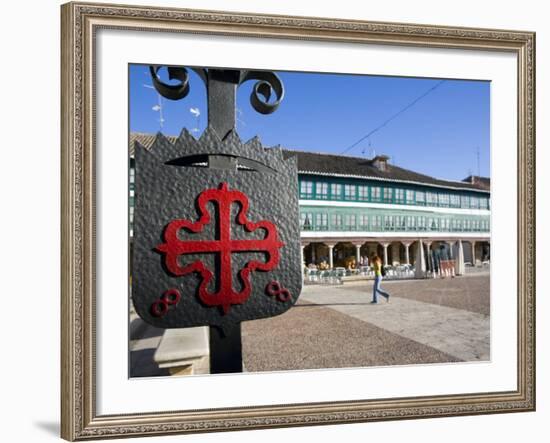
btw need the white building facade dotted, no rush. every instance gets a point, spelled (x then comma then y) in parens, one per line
(352, 208)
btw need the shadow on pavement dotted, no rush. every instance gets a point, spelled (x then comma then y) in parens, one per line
(140, 330)
(142, 364)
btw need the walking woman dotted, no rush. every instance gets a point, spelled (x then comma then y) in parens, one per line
(377, 265)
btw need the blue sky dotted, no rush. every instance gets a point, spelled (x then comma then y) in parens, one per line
(440, 135)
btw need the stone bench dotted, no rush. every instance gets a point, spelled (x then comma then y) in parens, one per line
(184, 351)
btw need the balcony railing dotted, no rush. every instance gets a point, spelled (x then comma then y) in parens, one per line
(370, 228)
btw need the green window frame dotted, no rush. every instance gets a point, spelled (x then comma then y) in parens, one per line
(431, 198)
(363, 193)
(350, 222)
(321, 221)
(399, 224)
(306, 221)
(336, 191)
(387, 194)
(321, 190)
(388, 223)
(363, 222)
(349, 192)
(420, 198)
(337, 221)
(306, 189)
(399, 195)
(409, 197)
(454, 201)
(444, 200)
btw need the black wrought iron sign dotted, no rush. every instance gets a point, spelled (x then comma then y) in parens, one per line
(216, 227)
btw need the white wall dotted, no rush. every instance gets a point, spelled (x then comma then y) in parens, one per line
(29, 183)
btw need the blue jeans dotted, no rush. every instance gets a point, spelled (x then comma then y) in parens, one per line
(376, 289)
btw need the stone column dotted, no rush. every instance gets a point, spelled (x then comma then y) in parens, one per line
(428, 244)
(313, 255)
(430, 258)
(330, 255)
(473, 243)
(302, 256)
(407, 258)
(459, 263)
(420, 264)
(357, 255)
(385, 246)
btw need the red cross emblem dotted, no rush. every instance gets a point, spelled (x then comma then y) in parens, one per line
(224, 245)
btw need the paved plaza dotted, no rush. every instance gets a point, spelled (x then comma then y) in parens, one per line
(426, 321)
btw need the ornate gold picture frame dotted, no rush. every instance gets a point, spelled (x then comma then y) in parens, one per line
(79, 401)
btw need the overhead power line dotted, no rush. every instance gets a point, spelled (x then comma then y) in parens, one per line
(394, 116)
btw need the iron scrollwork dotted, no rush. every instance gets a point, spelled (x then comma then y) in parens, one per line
(174, 91)
(267, 84)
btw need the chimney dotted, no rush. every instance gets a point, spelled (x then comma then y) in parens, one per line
(380, 162)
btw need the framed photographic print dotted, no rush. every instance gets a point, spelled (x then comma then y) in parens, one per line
(283, 221)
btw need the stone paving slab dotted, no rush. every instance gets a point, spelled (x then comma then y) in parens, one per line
(309, 336)
(457, 332)
(470, 293)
